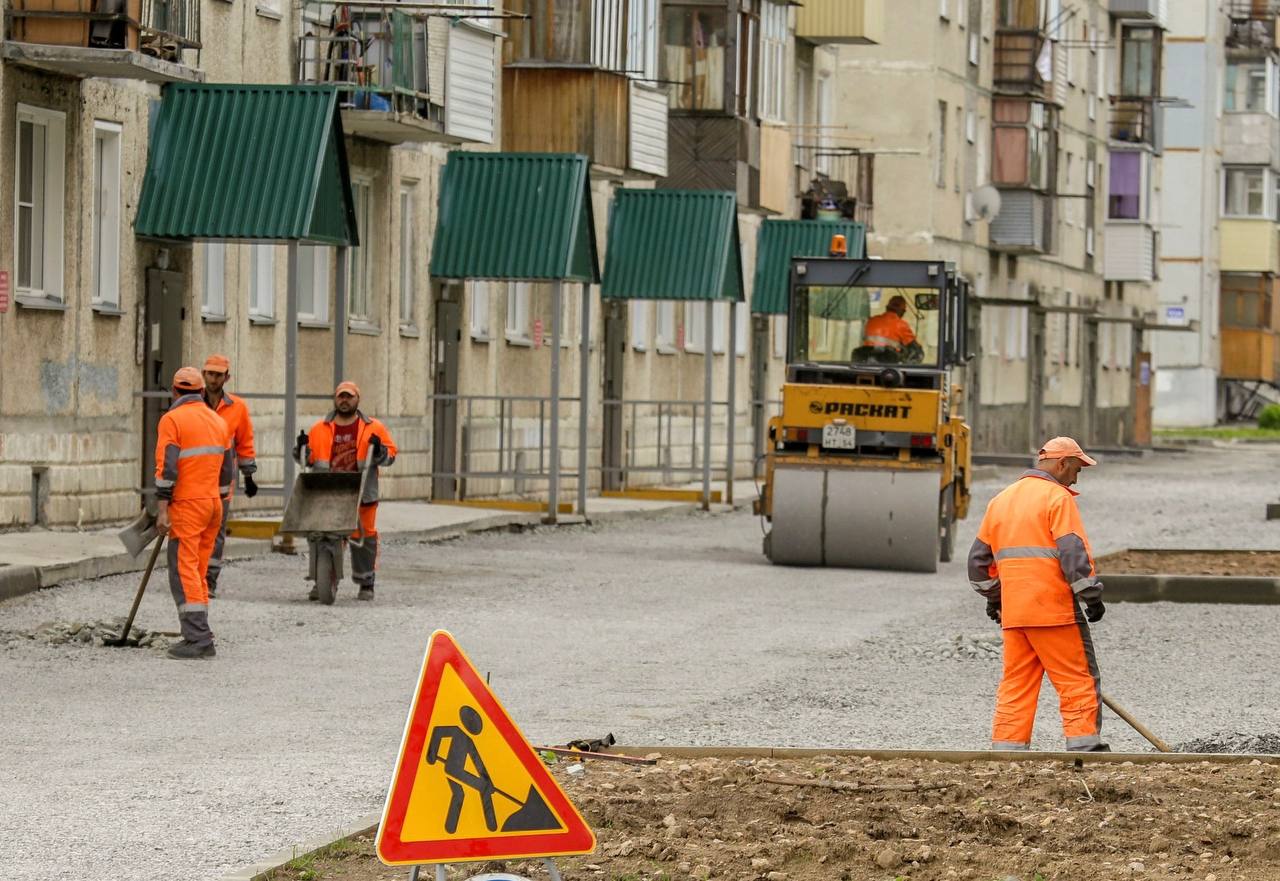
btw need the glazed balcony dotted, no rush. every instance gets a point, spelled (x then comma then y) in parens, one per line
(841, 21)
(1135, 120)
(1014, 70)
(1248, 245)
(1023, 224)
(124, 39)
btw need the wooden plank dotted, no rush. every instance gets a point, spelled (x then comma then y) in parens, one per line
(947, 755)
(505, 505)
(659, 494)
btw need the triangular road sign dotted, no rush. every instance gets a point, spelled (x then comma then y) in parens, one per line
(467, 785)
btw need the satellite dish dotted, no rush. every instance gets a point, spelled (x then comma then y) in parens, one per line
(986, 202)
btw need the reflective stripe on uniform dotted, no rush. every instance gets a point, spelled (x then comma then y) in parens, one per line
(1026, 552)
(984, 585)
(192, 607)
(881, 341)
(1083, 742)
(1009, 745)
(201, 451)
(1084, 583)
(163, 483)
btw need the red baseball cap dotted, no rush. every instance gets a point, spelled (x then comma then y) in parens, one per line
(1065, 448)
(347, 387)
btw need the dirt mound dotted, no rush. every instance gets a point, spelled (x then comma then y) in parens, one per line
(1233, 742)
(1264, 564)
(903, 819)
(93, 633)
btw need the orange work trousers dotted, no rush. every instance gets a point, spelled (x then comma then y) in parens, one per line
(194, 527)
(1064, 652)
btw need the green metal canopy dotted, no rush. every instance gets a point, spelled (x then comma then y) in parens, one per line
(516, 217)
(673, 245)
(782, 240)
(240, 161)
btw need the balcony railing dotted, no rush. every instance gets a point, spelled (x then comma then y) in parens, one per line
(376, 55)
(1133, 120)
(1015, 64)
(1252, 24)
(159, 28)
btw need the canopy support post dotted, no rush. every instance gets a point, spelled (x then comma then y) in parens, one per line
(553, 490)
(708, 356)
(584, 391)
(290, 367)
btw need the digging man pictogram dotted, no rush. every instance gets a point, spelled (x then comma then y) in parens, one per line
(533, 815)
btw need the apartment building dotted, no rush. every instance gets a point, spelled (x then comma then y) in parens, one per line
(1020, 137)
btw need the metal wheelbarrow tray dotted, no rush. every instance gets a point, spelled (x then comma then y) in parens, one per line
(324, 501)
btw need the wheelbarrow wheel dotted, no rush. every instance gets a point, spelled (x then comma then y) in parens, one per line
(326, 574)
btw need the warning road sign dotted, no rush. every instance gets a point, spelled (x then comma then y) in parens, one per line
(467, 785)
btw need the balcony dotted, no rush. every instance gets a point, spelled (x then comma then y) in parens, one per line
(1248, 326)
(1023, 224)
(841, 21)
(135, 39)
(1129, 251)
(1252, 26)
(1250, 139)
(621, 125)
(1014, 66)
(402, 78)
(1248, 245)
(1143, 10)
(1135, 120)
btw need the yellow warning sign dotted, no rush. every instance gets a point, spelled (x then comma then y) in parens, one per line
(468, 786)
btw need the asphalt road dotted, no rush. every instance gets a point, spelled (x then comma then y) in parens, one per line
(120, 764)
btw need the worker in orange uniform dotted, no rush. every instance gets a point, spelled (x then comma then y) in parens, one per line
(193, 477)
(1033, 564)
(341, 442)
(217, 370)
(890, 331)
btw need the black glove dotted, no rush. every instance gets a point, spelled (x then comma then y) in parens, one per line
(993, 611)
(250, 487)
(1094, 611)
(375, 446)
(299, 444)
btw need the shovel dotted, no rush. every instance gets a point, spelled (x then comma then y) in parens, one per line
(1136, 725)
(123, 639)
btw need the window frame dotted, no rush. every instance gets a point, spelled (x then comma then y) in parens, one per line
(313, 274)
(638, 319)
(408, 275)
(666, 328)
(214, 256)
(478, 318)
(518, 320)
(106, 225)
(360, 263)
(697, 102)
(643, 29)
(1266, 193)
(52, 207)
(258, 252)
(775, 19)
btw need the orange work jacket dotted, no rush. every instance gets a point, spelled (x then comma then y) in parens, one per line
(888, 331)
(320, 449)
(1032, 554)
(234, 412)
(193, 459)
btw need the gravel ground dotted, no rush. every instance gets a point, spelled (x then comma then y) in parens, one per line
(118, 763)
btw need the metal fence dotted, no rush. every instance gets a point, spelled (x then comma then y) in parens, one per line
(664, 439)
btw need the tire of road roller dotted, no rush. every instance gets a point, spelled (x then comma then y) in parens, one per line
(855, 518)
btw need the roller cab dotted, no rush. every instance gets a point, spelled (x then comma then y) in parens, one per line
(868, 463)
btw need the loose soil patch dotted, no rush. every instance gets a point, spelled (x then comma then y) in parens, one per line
(1147, 562)
(899, 819)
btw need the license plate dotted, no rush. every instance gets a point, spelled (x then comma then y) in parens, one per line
(839, 437)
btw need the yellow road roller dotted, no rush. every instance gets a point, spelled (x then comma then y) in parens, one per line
(868, 464)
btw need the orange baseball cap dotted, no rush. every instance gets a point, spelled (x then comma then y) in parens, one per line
(347, 387)
(1064, 448)
(217, 364)
(188, 379)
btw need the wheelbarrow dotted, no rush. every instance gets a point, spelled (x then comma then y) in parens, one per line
(325, 508)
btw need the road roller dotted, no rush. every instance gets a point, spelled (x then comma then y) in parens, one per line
(868, 464)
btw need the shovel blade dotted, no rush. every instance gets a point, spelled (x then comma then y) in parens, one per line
(138, 534)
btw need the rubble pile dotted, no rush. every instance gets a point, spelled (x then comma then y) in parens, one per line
(96, 633)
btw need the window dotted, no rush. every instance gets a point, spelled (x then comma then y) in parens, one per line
(1248, 85)
(695, 327)
(1124, 193)
(606, 34)
(940, 164)
(1021, 144)
(1245, 193)
(360, 283)
(519, 293)
(262, 282)
(568, 330)
(748, 56)
(313, 283)
(1140, 62)
(640, 325)
(944, 9)
(779, 336)
(478, 295)
(773, 60)
(975, 47)
(408, 254)
(642, 39)
(106, 214)
(39, 201)
(693, 56)
(720, 326)
(970, 126)
(826, 115)
(213, 295)
(962, 13)
(742, 315)
(666, 330)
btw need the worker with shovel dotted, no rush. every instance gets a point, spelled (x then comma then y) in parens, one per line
(193, 476)
(217, 370)
(1032, 563)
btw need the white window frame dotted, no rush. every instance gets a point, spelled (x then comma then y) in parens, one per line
(107, 147)
(779, 336)
(213, 291)
(313, 284)
(1267, 192)
(944, 9)
(742, 315)
(478, 307)
(569, 331)
(640, 310)
(642, 39)
(52, 205)
(695, 331)
(971, 126)
(519, 323)
(975, 47)
(774, 19)
(720, 329)
(408, 254)
(262, 283)
(360, 307)
(666, 331)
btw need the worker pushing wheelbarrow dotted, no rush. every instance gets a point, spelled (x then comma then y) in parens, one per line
(335, 500)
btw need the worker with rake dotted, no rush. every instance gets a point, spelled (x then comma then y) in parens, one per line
(1032, 563)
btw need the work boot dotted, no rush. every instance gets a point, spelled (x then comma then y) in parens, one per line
(189, 651)
(213, 587)
(1100, 748)
(314, 596)
(366, 592)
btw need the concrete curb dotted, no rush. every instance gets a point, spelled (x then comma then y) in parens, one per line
(1237, 589)
(17, 580)
(264, 869)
